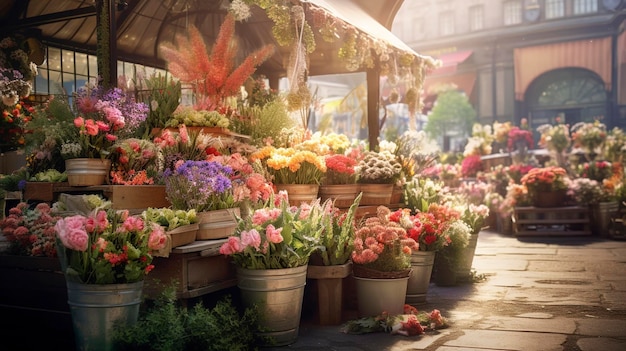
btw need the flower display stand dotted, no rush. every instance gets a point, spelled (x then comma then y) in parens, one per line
(554, 221)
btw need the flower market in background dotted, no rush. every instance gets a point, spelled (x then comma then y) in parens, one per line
(135, 203)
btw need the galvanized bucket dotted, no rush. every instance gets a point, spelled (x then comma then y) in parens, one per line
(278, 294)
(96, 308)
(464, 269)
(375, 296)
(419, 280)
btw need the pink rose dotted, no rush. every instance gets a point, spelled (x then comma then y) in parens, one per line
(79, 122)
(232, 246)
(72, 233)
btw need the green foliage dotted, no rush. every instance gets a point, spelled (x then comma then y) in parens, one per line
(263, 122)
(163, 97)
(166, 326)
(452, 111)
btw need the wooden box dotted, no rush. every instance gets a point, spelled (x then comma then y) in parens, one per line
(553, 221)
(197, 269)
(136, 198)
(43, 191)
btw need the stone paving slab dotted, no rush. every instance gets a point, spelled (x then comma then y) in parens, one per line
(508, 340)
(555, 265)
(602, 327)
(488, 265)
(554, 297)
(604, 344)
(552, 325)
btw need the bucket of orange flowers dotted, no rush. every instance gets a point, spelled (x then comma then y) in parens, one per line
(547, 187)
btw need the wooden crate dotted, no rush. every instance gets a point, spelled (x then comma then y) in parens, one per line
(197, 269)
(552, 221)
(43, 191)
(136, 198)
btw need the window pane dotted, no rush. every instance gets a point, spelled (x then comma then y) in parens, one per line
(555, 9)
(81, 63)
(68, 61)
(54, 59)
(446, 23)
(476, 17)
(585, 6)
(512, 12)
(93, 66)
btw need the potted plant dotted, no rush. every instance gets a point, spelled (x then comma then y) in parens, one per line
(339, 182)
(546, 186)
(206, 187)
(381, 264)
(475, 217)
(518, 143)
(103, 116)
(600, 199)
(271, 249)
(298, 172)
(556, 138)
(330, 264)
(378, 172)
(448, 259)
(179, 145)
(105, 257)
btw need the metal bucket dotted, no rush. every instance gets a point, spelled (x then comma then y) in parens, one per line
(87, 171)
(376, 296)
(464, 268)
(96, 308)
(419, 280)
(278, 294)
(601, 214)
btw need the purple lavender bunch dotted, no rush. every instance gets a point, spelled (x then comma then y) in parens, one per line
(200, 185)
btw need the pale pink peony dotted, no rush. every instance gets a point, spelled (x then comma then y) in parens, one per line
(72, 233)
(232, 246)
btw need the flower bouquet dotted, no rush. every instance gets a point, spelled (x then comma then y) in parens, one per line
(29, 231)
(188, 116)
(339, 182)
(183, 145)
(379, 168)
(554, 137)
(596, 170)
(420, 192)
(542, 183)
(134, 162)
(107, 247)
(589, 136)
(291, 165)
(587, 191)
(278, 236)
(428, 229)
(382, 248)
(337, 239)
(199, 185)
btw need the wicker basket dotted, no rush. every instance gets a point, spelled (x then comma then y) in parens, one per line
(364, 272)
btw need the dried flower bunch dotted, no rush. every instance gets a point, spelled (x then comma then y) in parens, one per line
(379, 168)
(108, 247)
(382, 244)
(277, 236)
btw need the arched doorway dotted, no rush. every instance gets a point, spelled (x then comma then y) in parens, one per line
(569, 94)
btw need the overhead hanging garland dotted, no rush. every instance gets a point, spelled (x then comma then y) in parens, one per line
(358, 50)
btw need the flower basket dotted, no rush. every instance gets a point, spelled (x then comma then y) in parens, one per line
(364, 272)
(299, 193)
(343, 195)
(182, 235)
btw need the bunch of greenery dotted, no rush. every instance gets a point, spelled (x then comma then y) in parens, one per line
(163, 97)
(262, 122)
(167, 326)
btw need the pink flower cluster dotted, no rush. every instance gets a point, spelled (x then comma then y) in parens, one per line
(106, 248)
(30, 231)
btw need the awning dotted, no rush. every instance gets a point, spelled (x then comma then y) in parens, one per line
(450, 61)
(351, 13)
(531, 62)
(463, 81)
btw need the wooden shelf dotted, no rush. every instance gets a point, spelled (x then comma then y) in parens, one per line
(552, 221)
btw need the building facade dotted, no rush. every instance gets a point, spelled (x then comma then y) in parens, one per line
(535, 59)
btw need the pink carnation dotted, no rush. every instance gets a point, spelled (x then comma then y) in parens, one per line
(274, 235)
(251, 238)
(232, 246)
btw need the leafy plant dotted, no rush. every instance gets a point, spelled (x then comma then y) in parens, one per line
(167, 326)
